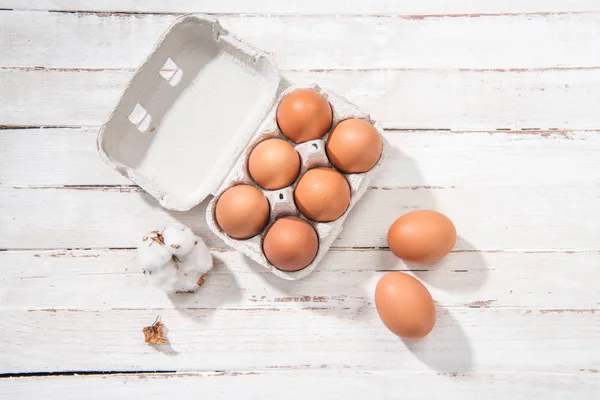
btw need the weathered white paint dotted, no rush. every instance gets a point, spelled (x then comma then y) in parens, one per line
(555, 98)
(311, 383)
(487, 217)
(45, 157)
(537, 327)
(464, 339)
(97, 279)
(325, 42)
(307, 7)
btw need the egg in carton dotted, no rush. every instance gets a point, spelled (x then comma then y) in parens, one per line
(191, 115)
(281, 202)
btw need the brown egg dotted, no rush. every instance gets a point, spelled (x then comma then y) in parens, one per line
(422, 237)
(304, 115)
(274, 164)
(242, 211)
(404, 305)
(354, 146)
(290, 244)
(322, 194)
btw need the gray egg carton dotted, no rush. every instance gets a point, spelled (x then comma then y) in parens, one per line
(192, 113)
(281, 202)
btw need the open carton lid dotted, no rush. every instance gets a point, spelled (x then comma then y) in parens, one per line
(189, 112)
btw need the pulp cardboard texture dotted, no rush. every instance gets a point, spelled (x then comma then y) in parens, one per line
(188, 112)
(312, 155)
(190, 117)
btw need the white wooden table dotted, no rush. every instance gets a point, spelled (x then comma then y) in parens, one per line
(493, 112)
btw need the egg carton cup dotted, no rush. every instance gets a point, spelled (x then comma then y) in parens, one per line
(281, 202)
(192, 113)
(187, 112)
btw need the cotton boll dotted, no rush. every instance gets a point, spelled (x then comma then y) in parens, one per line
(179, 241)
(193, 267)
(187, 278)
(166, 277)
(152, 253)
(175, 260)
(200, 257)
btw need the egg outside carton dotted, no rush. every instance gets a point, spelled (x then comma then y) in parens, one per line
(281, 201)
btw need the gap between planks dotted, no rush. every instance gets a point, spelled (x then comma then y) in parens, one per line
(544, 132)
(63, 251)
(475, 305)
(75, 373)
(533, 69)
(209, 373)
(408, 16)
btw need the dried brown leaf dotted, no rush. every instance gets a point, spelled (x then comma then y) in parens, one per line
(154, 334)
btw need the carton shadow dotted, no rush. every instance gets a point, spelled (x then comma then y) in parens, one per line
(154, 94)
(301, 294)
(283, 85)
(446, 349)
(195, 219)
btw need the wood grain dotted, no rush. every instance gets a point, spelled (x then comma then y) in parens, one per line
(323, 42)
(45, 157)
(487, 217)
(404, 99)
(464, 339)
(346, 279)
(518, 309)
(307, 7)
(302, 384)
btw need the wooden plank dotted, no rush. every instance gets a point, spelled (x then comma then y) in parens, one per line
(556, 98)
(45, 157)
(384, 7)
(96, 279)
(464, 339)
(315, 42)
(558, 159)
(300, 384)
(487, 217)
(65, 156)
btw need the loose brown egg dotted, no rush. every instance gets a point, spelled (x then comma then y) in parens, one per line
(354, 146)
(290, 244)
(404, 305)
(304, 115)
(422, 237)
(242, 211)
(274, 164)
(322, 194)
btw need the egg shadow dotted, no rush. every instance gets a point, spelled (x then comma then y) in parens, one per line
(461, 271)
(446, 349)
(397, 189)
